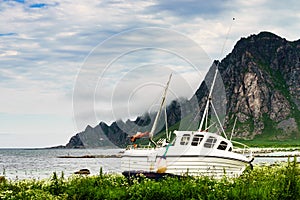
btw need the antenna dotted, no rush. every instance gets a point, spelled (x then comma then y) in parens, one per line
(233, 128)
(227, 34)
(209, 101)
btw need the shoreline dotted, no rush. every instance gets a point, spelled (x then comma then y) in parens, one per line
(93, 156)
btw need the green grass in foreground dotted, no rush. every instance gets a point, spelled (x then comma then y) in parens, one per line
(276, 182)
(270, 143)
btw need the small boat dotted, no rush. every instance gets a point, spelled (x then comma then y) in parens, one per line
(193, 153)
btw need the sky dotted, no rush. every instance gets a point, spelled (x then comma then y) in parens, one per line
(71, 63)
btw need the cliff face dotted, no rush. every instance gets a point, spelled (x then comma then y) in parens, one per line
(262, 82)
(262, 89)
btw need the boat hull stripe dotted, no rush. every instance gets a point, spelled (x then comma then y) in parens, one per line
(191, 156)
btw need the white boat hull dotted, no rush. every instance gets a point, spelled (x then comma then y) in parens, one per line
(211, 166)
(205, 166)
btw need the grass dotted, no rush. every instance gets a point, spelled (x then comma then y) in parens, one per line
(271, 137)
(276, 182)
(270, 143)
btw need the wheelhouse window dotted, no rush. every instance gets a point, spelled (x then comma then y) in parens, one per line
(185, 139)
(210, 142)
(222, 145)
(197, 139)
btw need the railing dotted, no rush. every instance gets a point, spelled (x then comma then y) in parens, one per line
(139, 147)
(241, 148)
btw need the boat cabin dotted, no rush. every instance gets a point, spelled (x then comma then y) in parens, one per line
(202, 140)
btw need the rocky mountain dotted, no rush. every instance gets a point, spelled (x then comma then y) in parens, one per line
(119, 132)
(261, 84)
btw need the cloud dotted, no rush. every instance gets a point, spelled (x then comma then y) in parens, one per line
(117, 67)
(189, 9)
(8, 53)
(44, 44)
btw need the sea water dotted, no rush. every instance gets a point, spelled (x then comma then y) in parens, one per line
(41, 163)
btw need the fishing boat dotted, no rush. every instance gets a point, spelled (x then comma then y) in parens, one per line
(195, 153)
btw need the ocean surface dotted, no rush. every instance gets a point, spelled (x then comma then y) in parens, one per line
(41, 163)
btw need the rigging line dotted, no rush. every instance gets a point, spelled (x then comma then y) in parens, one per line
(156, 100)
(159, 111)
(194, 119)
(217, 66)
(221, 53)
(213, 107)
(166, 124)
(233, 128)
(208, 100)
(210, 126)
(227, 34)
(207, 115)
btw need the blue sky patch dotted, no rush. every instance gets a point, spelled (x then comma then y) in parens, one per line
(19, 1)
(7, 34)
(38, 5)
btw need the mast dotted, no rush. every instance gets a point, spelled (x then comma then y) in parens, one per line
(166, 124)
(158, 113)
(205, 114)
(209, 102)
